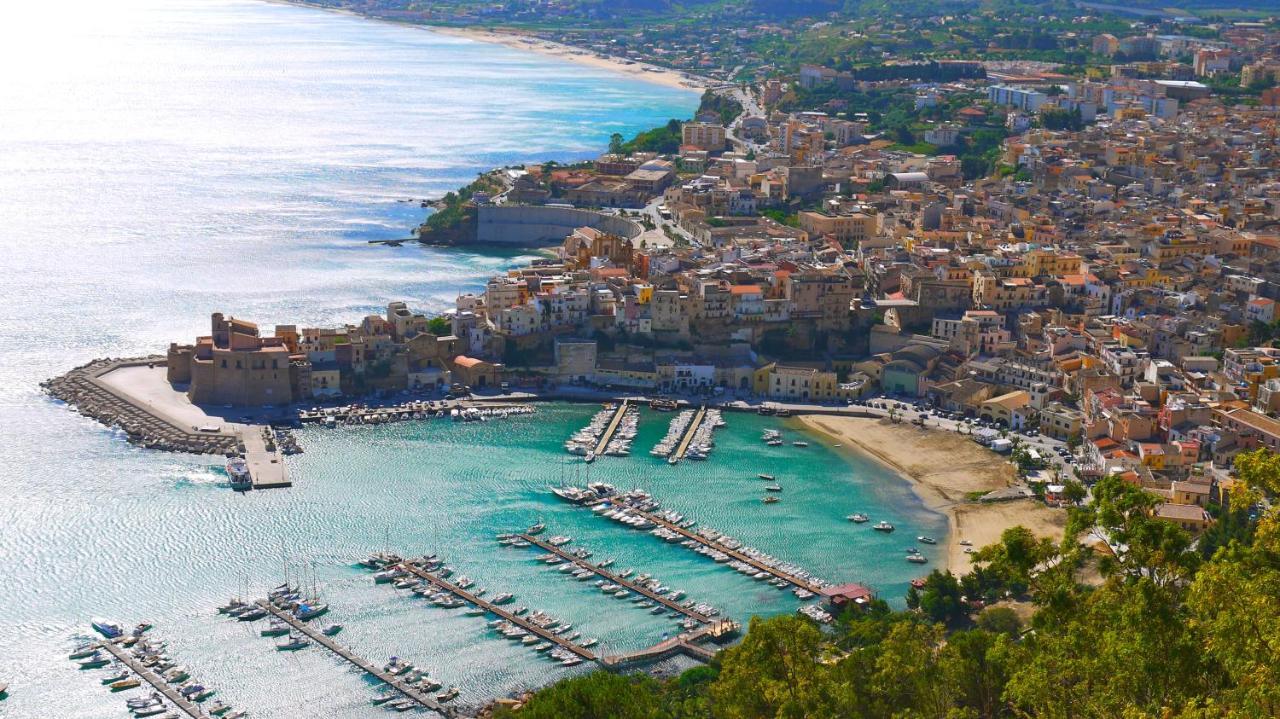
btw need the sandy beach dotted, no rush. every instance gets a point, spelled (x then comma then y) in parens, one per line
(528, 43)
(944, 468)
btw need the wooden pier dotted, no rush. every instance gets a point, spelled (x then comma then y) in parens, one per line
(613, 427)
(735, 554)
(686, 644)
(691, 430)
(610, 576)
(363, 664)
(582, 652)
(165, 689)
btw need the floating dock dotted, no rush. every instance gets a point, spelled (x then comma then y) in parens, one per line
(610, 576)
(363, 664)
(165, 689)
(689, 432)
(613, 427)
(580, 651)
(735, 554)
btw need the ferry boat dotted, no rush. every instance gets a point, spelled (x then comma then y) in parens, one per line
(883, 526)
(238, 472)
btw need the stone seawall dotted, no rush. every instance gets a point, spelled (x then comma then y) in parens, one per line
(544, 225)
(82, 389)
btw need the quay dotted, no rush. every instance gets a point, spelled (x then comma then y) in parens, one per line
(581, 652)
(610, 576)
(689, 432)
(735, 554)
(187, 706)
(363, 664)
(266, 466)
(613, 427)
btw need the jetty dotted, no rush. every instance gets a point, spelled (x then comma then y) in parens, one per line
(580, 651)
(361, 663)
(686, 643)
(614, 578)
(162, 687)
(611, 428)
(733, 553)
(266, 466)
(689, 432)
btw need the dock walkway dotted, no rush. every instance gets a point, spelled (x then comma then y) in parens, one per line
(610, 576)
(166, 690)
(613, 427)
(686, 643)
(363, 664)
(785, 576)
(266, 466)
(691, 430)
(582, 652)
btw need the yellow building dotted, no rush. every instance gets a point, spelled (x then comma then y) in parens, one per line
(854, 228)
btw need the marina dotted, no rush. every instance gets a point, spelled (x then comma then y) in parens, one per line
(157, 682)
(629, 585)
(638, 510)
(391, 680)
(694, 424)
(598, 437)
(492, 607)
(455, 410)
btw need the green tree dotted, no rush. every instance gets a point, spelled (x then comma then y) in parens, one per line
(940, 599)
(599, 694)
(616, 144)
(774, 672)
(440, 326)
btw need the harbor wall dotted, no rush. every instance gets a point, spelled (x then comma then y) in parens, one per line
(543, 225)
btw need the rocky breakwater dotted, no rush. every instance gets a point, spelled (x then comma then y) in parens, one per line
(82, 389)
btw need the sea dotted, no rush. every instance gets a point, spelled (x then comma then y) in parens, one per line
(161, 160)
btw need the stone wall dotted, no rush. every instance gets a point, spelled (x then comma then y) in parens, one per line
(544, 225)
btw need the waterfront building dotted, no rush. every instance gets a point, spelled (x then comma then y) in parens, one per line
(234, 365)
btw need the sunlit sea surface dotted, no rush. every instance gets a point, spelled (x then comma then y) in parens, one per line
(163, 160)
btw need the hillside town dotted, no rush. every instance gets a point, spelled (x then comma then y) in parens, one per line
(1111, 281)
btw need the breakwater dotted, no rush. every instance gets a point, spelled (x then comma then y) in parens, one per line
(82, 388)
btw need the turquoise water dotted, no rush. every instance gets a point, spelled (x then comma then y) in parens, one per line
(163, 160)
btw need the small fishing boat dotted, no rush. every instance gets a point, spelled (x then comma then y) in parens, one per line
(766, 477)
(448, 695)
(95, 662)
(916, 558)
(115, 678)
(858, 518)
(770, 500)
(773, 488)
(926, 540)
(882, 526)
(332, 630)
(84, 650)
(123, 684)
(538, 528)
(293, 643)
(276, 628)
(503, 598)
(799, 443)
(218, 708)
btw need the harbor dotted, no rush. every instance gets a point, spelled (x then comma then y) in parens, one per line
(524, 623)
(598, 438)
(394, 681)
(635, 587)
(158, 683)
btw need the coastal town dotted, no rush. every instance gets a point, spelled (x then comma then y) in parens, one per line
(1042, 291)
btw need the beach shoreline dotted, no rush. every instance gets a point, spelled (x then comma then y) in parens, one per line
(943, 470)
(527, 42)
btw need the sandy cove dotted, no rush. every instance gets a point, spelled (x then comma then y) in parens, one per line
(943, 469)
(530, 43)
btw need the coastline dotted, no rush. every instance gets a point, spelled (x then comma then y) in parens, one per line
(943, 469)
(515, 39)
(549, 48)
